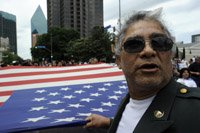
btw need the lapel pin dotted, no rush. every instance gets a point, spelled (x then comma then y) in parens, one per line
(183, 90)
(158, 114)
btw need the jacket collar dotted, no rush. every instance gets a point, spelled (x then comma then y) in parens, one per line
(163, 102)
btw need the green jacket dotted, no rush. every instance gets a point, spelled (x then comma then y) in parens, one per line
(175, 109)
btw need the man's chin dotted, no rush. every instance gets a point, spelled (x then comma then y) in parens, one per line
(149, 82)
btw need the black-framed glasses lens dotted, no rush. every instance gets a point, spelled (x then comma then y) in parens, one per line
(134, 45)
(161, 44)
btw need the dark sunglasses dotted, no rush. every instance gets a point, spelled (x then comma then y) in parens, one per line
(135, 44)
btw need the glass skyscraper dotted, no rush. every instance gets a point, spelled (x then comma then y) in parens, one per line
(8, 29)
(38, 25)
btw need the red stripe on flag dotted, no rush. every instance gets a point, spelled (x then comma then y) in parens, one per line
(51, 72)
(6, 93)
(1, 103)
(61, 79)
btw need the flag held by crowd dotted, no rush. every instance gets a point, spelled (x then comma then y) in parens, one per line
(41, 97)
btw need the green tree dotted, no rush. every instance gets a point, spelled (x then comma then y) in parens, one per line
(100, 44)
(79, 50)
(177, 53)
(8, 57)
(55, 41)
(183, 56)
(66, 45)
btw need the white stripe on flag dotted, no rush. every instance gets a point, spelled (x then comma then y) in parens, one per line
(66, 81)
(62, 83)
(4, 98)
(44, 69)
(69, 74)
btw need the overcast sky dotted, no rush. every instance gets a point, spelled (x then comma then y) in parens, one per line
(181, 16)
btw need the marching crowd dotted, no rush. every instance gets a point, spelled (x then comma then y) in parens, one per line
(46, 63)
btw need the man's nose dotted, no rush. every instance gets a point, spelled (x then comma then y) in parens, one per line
(148, 51)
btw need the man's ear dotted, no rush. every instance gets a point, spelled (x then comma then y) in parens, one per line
(118, 61)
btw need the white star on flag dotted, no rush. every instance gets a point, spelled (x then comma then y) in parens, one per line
(39, 99)
(95, 94)
(83, 114)
(69, 97)
(108, 84)
(37, 108)
(118, 92)
(35, 119)
(54, 94)
(59, 111)
(55, 102)
(107, 104)
(122, 87)
(76, 105)
(79, 91)
(124, 82)
(86, 99)
(66, 119)
(99, 109)
(113, 97)
(102, 89)
(65, 89)
(40, 91)
(87, 86)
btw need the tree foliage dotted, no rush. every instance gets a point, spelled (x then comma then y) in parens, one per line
(8, 57)
(100, 44)
(66, 45)
(183, 56)
(79, 50)
(177, 53)
(56, 42)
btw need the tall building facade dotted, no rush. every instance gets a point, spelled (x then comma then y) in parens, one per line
(81, 15)
(8, 30)
(4, 46)
(196, 38)
(38, 25)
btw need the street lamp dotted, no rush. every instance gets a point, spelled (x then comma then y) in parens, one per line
(119, 15)
(51, 48)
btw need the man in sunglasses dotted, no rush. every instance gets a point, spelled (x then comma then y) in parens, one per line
(156, 102)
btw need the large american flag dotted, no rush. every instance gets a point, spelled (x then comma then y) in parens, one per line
(41, 97)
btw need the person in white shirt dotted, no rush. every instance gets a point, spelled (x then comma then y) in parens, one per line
(185, 78)
(184, 63)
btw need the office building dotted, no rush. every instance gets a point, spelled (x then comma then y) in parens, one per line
(8, 30)
(81, 15)
(38, 25)
(196, 38)
(4, 46)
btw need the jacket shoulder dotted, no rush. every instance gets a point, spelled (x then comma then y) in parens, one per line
(188, 92)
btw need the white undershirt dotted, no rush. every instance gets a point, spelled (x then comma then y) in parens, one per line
(133, 112)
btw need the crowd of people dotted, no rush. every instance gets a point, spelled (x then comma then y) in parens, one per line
(187, 73)
(46, 63)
